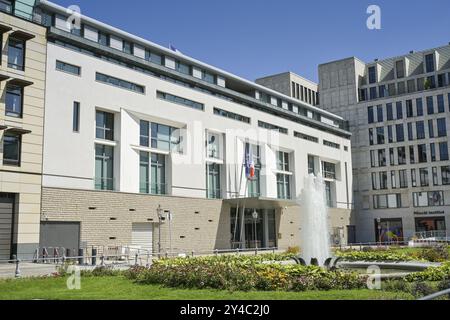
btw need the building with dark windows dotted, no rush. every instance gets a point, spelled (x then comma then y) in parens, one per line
(22, 84)
(149, 148)
(398, 109)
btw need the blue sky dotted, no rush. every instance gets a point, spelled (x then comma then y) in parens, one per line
(255, 38)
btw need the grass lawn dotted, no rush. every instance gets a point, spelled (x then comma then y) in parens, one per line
(119, 288)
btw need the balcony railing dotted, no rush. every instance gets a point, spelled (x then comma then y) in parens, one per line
(436, 234)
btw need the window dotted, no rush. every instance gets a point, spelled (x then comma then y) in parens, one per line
(329, 170)
(183, 68)
(419, 106)
(428, 199)
(311, 165)
(231, 115)
(445, 173)
(273, 127)
(380, 113)
(380, 135)
(165, 138)
(413, 177)
(400, 68)
(104, 125)
(14, 101)
(424, 181)
(283, 161)
(420, 130)
(373, 93)
(383, 92)
(153, 57)
(399, 105)
(254, 185)
(390, 134)
(104, 167)
(409, 109)
(435, 176)
(393, 180)
(372, 158)
(374, 181)
(158, 174)
(400, 132)
(179, 100)
(410, 131)
(430, 83)
(128, 47)
(11, 149)
(370, 115)
(382, 158)
(120, 83)
(331, 144)
(371, 136)
(442, 82)
(422, 151)
(430, 105)
(213, 146)
(442, 127)
(372, 75)
(76, 117)
(383, 180)
(391, 156)
(433, 152)
(401, 87)
(16, 54)
(208, 77)
(390, 112)
(306, 137)
(144, 172)
(431, 128)
(6, 6)
(429, 63)
(412, 158)
(411, 86)
(392, 89)
(403, 179)
(420, 84)
(401, 155)
(103, 39)
(443, 151)
(329, 194)
(441, 104)
(387, 201)
(213, 181)
(283, 186)
(69, 68)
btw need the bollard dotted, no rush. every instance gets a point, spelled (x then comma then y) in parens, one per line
(136, 259)
(94, 257)
(216, 252)
(68, 254)
(102, 258)
(193, 253)
(81, 257)
(17, 272)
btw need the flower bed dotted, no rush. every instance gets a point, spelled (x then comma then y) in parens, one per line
(440, 273)
(240, 273)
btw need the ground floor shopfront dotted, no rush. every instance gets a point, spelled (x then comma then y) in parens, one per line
(404, 225)
(83, 218)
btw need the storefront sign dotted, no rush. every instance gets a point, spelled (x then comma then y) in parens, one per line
(426, 213)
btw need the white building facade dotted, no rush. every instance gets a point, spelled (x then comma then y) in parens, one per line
(133, 129)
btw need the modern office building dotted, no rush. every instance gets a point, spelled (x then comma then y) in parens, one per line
(135, 131)
(398, 109)
(22, 84)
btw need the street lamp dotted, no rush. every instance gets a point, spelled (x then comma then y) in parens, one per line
(161, 218)
(379, 230)
(255, 218)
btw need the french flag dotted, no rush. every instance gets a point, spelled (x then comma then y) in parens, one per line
(249, 164)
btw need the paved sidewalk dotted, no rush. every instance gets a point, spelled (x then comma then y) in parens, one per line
(8, 270)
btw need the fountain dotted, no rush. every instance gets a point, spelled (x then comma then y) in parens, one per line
(314, 233)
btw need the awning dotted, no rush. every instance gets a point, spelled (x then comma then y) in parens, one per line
(20, 131)
(20, 82)
(261, 203)
(4, 29)
(19, 34)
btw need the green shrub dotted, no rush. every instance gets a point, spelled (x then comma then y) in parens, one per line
(376, 255)
(397, 286)
(422, 289)
(436, 254)
(444, 285)
(440, 273)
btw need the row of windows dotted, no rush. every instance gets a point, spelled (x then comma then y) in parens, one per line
(402, 87)
(180, 100)
(119, 83)
(418, 128)
(304, 94)
(273, 127)
(420, 199)
(378, 158)
(376, 114)
(231, 115)
(380, 179)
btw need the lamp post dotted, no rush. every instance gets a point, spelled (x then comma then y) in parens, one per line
(159, 211)
(379, 230)
(255, 218)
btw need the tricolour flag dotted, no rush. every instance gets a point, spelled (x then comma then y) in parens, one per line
(249, 163)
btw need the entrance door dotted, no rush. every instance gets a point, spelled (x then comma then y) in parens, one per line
(431, 227)
(6, 226)
(142, 236)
